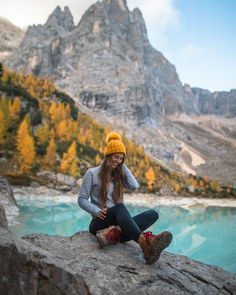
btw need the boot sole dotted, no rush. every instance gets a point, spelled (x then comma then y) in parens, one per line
(100, 241)
(158, 246)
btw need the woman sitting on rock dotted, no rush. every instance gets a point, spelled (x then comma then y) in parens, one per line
(111, 221)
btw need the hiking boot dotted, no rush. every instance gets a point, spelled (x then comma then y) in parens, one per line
(152, 245)
(108, 236)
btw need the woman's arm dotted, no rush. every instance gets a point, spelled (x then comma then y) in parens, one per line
(130, 181)
(84, 194)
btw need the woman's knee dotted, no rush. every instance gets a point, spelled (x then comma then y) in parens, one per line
(154, 214)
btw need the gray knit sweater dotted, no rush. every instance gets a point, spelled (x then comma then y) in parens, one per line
(90, 189)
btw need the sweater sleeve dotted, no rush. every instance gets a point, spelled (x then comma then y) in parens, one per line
(84, 195)
(130, 181)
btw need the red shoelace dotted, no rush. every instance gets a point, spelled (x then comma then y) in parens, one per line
(148, 235)
(113, 235)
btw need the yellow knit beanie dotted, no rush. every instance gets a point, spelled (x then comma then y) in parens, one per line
(114, 144)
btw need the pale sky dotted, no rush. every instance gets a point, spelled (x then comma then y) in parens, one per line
(197, 36)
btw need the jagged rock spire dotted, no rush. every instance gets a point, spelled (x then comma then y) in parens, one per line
(63, 19)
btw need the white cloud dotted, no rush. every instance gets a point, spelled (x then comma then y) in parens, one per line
(157, 12)
(159, 16)
(27, 12)
(191, 51)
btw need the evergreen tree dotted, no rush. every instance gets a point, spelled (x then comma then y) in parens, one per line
(3, 128)
(74, 168)
(1, 70)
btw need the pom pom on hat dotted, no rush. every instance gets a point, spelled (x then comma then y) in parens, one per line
(114, 144)
(113, 136)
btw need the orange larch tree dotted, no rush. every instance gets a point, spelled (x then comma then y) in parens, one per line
(150, 178)
(61, 130)
(14, 108)
(4, 108)
(69, 162)
(50, 157)
(25, 146)
(43, 133)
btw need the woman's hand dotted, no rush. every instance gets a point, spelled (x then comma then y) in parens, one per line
(102, 213)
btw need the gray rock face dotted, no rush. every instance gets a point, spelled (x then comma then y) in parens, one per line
(6, 191)
(8, 205)
(40, 264)
(41, 45)
(106, 62)
(3, 219)
(10, 38)
(206, 102)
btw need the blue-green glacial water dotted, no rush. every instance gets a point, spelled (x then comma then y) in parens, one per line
(208, 236)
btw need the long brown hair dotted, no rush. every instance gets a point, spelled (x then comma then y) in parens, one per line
(107, 174)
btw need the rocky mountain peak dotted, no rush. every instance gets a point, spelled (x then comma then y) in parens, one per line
(117, 4)
(62, 19)
(112, 20)
(106, 62)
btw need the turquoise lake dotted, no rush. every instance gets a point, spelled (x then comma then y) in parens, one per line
(208, 236)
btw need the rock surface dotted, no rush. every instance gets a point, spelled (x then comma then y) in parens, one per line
(42, 264)
(59, 181)
(8, 205)
(206, 102)
(3, 219)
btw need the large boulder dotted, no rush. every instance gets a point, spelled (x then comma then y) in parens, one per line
(8, 205)
(3, 219)
(42, 264)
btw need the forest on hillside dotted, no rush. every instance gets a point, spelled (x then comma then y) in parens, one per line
(42, 129)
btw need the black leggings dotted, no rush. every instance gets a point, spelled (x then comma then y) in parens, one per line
(131, 227)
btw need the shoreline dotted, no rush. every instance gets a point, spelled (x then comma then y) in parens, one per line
(138, 199)
(188, 203)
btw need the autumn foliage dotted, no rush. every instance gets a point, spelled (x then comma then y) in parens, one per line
(25, 147)
(45, 130)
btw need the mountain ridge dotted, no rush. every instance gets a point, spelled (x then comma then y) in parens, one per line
(10, 38)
